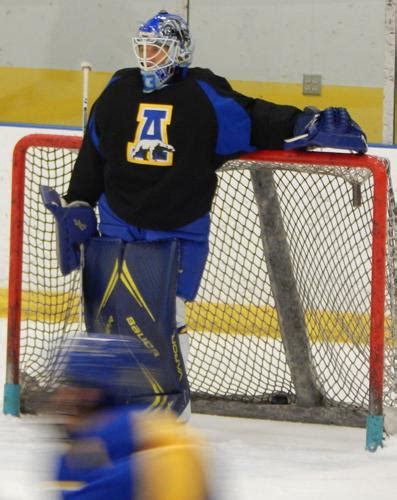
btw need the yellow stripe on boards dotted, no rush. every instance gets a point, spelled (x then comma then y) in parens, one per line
(365, 104)
(53, 97)
(3, 303)
(46, 307)
(262, 321)
(218, 318)
(45, 96)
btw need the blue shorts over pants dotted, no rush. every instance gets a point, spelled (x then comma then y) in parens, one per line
(193, 240)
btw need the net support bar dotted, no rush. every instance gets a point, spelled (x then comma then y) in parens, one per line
(286, 296)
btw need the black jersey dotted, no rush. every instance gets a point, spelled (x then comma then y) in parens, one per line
(154, 155)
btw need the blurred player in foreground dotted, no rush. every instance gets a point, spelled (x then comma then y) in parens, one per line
(116, 449)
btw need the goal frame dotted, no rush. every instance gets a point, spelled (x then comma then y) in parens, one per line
(375, 419)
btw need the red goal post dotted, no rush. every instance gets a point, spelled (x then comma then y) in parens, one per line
(256, 332)
(19, 163)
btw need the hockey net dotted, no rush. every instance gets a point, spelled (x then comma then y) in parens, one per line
(297, 300)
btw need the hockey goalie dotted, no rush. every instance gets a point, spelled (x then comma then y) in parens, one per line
(154, 140)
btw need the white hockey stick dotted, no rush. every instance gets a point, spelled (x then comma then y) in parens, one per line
(86, 68)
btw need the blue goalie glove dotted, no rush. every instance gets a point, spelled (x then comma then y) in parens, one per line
(75, 224)
(330, 128)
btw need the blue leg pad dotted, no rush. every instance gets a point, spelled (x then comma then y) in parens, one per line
(12, 398)
(130, 289)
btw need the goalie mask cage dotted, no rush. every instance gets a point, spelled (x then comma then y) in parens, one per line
(295, 314)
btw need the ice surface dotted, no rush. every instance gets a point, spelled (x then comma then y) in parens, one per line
(250, 460)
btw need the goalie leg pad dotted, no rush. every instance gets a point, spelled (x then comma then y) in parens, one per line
(130, 289)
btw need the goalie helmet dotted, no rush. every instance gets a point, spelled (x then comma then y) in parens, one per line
(105, 362)
(162, 44)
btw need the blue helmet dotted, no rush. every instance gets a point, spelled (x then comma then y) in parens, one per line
(106, 362)
(162, 44)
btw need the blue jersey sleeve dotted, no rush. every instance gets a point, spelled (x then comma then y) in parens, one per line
(89, 167)
(246, 124)
(234, 123)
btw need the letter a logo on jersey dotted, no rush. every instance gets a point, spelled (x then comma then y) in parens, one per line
(150, 145)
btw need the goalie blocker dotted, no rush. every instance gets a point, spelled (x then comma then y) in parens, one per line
(75, 224)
